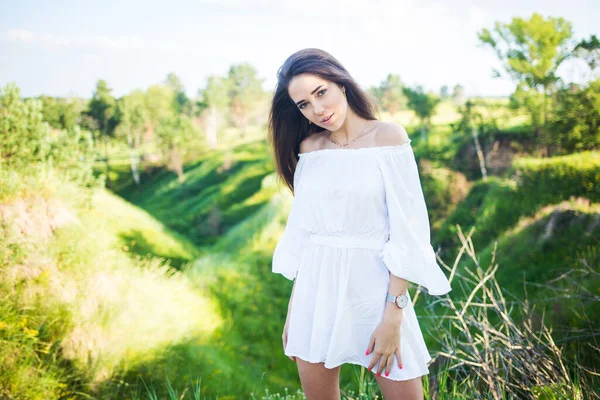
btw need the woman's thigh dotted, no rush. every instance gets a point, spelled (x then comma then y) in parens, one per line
(411, 389)
(318, 382)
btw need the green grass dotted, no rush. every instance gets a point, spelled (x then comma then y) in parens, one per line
(220, 190)
(252, 238)
(540, 249)
(118, 321)
(137, 232)
(86, 307)
(494, 206)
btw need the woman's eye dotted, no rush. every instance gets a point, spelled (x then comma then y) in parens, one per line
(301, 106)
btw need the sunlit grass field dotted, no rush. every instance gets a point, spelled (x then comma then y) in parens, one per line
(166, 291)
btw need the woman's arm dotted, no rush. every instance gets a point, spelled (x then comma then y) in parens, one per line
(397, 287)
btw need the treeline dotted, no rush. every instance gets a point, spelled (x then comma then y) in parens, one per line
(162, 119)
(28, 144)
(565, 116)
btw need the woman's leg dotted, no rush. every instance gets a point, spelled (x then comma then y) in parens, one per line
(318, 382)
(411, 389)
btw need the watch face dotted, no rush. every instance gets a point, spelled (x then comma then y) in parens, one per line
(402, 300)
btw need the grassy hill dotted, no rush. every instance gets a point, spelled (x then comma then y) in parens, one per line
(496, 208)
(172, 282)
(221, 189)
(90, 289)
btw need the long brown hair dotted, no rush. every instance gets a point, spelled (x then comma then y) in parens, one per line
(287, 126)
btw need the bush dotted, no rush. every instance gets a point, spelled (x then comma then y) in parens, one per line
(576, 122)
(551, 180)
(28, 142)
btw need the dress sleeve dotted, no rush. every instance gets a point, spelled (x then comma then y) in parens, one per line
(408, 253)
(288, 252)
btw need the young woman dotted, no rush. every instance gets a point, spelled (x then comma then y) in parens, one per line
(357, 233)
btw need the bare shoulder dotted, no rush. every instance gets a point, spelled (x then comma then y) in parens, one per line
(311, 142)
(391, 134)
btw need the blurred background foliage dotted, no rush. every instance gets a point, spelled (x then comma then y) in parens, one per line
(136, 234)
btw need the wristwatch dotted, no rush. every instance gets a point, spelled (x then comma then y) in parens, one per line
(401, 301)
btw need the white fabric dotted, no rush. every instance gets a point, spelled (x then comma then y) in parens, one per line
(357, 216)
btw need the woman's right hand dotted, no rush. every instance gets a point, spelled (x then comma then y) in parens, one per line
(284, 337)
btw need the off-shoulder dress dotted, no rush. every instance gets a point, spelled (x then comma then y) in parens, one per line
(357, 216)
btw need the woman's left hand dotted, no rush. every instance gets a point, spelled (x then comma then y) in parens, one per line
(384, 343)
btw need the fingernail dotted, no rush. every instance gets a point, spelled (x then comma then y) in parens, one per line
(400, 366)
(367, 353)
(379, 374)
(387, 374)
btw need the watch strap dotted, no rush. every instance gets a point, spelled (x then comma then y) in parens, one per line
(392, 299)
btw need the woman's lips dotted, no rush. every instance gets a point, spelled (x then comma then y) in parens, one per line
(328, 121)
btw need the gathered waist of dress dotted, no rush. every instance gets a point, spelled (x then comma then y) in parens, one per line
(350, 241)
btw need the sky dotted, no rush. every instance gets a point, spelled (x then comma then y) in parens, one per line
(64, 48)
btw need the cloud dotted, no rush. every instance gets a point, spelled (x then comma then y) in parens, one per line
(119, 42)
(126, 43)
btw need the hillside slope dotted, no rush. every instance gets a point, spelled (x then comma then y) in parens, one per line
(82, 304)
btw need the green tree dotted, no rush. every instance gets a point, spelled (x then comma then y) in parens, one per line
(423, 104)
(531, 50)
(132, 114)
(102, 108)
(181, 103)
(61, 113)
(576, 122)
(24, 136)
(159, 103)
(390, 94)
(173, 133)
(473, 122)
(214, 99)
(159, 100)
(245, 89)
(27, 141)
(589, 51)
(103, 118)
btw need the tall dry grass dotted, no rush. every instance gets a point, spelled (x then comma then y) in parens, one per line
(494, 348)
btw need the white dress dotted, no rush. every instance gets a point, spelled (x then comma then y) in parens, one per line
(357, 216)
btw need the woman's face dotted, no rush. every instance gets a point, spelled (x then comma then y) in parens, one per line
(319, 99)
